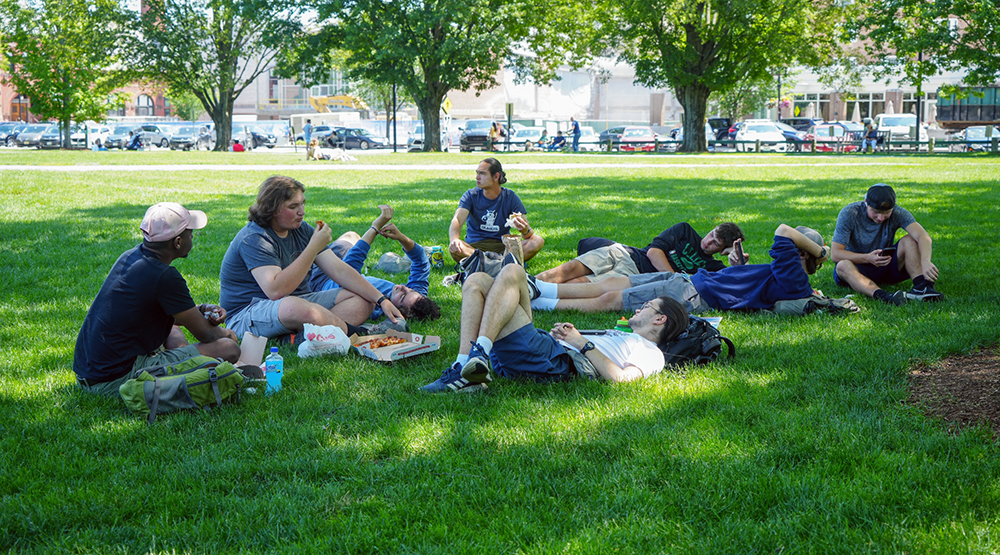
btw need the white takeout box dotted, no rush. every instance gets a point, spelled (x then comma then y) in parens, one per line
(415, 344)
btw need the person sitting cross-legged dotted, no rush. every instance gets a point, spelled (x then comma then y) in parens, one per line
(411, 299)
(497, 330)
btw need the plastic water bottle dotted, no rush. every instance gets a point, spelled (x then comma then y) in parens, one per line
(274, 367)
(622, 325)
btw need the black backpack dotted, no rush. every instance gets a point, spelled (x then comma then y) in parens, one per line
(700, 343)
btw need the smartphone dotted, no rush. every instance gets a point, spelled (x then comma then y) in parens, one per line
(888, 251)
(740, 259)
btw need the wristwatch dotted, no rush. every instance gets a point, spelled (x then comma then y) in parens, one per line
(589, 346)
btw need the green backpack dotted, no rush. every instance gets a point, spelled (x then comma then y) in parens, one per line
(194, 383)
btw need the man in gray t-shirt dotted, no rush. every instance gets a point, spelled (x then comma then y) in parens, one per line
(866, 256)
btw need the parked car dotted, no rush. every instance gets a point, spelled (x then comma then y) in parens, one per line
(119, 136)
(86, 136)
(638, 138)
(527, 138)
(8, 133)
(720, 127)
(192, 137)
(793, 136)
(830, 137)
(355, 137)
(801, 124)
(260, 138)
(852, 126)
(589, 140)
(156, 134)
(678, 135)
(53, 137)
(613, 134)
(899, 126)
(770, 137)
(734, 130)
(415, 142)
(975, 138)
(474, 134)
(319, 132)
(32, 135)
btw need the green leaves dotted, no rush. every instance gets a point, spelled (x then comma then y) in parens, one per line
(65, 55)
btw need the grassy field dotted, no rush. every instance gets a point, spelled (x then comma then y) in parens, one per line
(803, 444)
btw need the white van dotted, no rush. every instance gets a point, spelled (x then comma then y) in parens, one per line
(900, 126)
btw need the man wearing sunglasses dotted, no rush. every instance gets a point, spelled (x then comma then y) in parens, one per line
(797, 253)
(497, 331)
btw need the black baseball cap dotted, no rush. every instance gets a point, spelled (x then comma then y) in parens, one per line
(881, 197)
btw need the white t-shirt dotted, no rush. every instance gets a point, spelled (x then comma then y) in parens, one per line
(627, 349)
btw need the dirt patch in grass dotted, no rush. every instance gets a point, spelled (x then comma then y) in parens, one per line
(963, 390)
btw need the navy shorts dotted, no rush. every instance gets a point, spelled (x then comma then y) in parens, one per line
(889, 274)
(533, 354)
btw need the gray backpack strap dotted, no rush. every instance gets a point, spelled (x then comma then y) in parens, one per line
(215, 387)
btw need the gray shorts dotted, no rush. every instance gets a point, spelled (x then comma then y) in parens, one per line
(610, 261)
(646, 287)
(261, 317)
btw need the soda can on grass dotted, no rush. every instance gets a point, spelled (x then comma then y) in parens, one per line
(437, 257)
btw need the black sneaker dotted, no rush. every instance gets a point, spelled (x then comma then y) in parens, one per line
(386, 325)
(477, 369)
(451, 380)
(928, 294)
(533, 292)
(898, 298)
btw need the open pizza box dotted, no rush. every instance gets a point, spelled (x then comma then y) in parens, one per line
(413, 344)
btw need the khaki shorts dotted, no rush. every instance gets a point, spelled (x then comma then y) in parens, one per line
(610, 261)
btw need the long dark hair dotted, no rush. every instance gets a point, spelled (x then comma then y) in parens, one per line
(496, 168)
(677, 320)
(273, 192)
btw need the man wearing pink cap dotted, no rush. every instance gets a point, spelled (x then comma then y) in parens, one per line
(133, 322)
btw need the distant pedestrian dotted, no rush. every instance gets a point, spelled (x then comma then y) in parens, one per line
(575, 128)
(307, 130)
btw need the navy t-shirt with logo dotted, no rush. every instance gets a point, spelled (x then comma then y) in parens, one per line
(488, 218)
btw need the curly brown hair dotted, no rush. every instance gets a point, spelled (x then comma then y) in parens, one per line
(273, 192)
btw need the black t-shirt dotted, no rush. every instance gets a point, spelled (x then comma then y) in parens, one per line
(131, 316)
(679, 242)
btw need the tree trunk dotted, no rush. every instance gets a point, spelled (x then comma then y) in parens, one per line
(694, 99)
(222, 116)
(65, 126)
(430, 113)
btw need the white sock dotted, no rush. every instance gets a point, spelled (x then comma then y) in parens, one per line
(485, 343)
(462, 359)
(547, 290)
(544, 304)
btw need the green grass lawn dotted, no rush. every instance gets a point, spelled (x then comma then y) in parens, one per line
(804, 443)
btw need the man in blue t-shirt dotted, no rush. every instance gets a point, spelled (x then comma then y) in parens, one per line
(797, 253)
(558, 142)
(575, 130)
(411, 299)
(133, 322)
(866, 256)
(490, 210)
(265, 271)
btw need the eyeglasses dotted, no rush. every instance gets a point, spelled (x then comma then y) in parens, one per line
(649, 304)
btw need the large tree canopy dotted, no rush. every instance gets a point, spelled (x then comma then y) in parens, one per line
(976, 46)
(432, 47)
(697, 47)
(64, 56)
(215, 48)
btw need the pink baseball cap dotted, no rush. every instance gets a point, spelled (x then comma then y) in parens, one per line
(166, 220)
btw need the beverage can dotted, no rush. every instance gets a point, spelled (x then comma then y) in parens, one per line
(437, 257)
